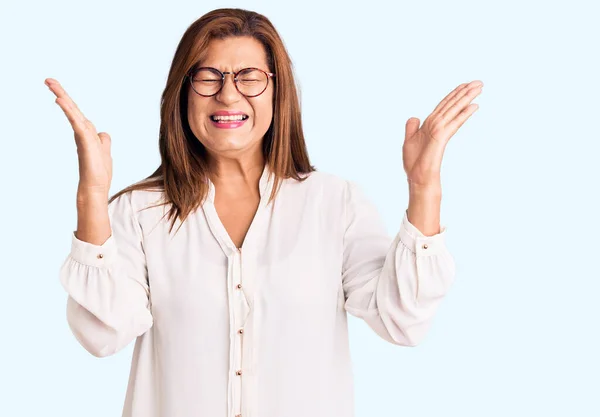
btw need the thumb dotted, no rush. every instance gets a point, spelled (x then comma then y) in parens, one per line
(412, 125)
(104, 138)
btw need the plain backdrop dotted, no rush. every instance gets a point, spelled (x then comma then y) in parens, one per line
(518, 333)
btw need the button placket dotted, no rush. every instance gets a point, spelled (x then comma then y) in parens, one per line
(249, 335)
(241, 310)
(241, 384)
(241, 305)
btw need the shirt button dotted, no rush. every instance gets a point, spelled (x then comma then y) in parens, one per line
(425, 246)
(239, 286)
(238, 373)
(241, 331)
(100, 256)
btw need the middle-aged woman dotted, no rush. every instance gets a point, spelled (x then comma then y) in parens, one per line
(241, 310)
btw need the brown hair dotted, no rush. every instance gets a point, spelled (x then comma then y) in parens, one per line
(183, 171)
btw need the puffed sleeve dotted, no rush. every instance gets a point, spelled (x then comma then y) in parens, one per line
(394, 285)
(108, 302)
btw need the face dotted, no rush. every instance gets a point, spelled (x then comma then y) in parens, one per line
(232, 139)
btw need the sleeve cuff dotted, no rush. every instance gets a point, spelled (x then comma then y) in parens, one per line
(93, 255)
(417, 242)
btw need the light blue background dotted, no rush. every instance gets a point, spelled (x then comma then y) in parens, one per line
(517, 334)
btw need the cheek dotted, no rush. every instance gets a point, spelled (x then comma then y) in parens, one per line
(195, 112)
(265, 116)
(264, 113)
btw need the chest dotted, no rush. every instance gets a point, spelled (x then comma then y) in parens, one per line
(291, 262)
(236, 215)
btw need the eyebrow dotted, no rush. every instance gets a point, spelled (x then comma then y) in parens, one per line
(235, 69)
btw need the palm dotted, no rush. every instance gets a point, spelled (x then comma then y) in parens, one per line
(424, 145)
(93, 148)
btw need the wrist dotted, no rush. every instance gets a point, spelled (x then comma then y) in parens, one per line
(91, 199)
(432, 189)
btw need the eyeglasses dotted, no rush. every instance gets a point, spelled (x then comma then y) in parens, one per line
(250, 82)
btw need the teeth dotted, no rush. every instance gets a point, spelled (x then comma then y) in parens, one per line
(236, 117)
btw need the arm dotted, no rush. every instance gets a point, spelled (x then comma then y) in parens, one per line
(395, 285)
(108, 295)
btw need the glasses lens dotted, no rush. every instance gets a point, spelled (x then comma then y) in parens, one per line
(206, 82)
(252, 82)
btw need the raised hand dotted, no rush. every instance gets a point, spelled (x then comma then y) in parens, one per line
(93, 149)
(424, 146)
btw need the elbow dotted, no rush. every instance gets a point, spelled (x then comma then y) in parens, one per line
(411, 340)
(97, 343)
(95, 337)
(406, 339)
(95, 349)
(98, 338)
(403, 333)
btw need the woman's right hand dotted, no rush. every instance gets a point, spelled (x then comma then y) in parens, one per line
(93, 149)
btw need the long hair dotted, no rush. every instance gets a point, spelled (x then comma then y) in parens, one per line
(183, 173)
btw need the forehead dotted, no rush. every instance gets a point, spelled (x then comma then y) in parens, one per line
(235, 53)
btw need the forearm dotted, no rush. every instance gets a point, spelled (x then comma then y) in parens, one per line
(93, 223)
(424, 207)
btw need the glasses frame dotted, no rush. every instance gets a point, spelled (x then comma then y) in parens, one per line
(193, 72)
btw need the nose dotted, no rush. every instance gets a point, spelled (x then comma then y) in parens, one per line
(228, 93)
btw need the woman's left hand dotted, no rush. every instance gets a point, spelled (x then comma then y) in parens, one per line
(424, 147)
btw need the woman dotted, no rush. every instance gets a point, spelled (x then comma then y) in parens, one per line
(241, 311)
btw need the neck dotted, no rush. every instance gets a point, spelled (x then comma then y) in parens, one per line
(236, 173)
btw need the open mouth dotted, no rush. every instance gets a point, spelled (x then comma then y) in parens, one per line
(229, 119)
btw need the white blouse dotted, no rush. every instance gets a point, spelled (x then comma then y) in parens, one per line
(256, 332)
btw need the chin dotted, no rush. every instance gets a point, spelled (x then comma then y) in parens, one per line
(230, 144)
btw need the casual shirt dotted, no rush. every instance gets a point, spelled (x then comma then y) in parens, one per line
(259, 331)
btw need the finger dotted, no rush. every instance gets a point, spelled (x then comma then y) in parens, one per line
(462, 117)
(449, 97)
(76, 121)
(60, 92)
(84, 129)
(460, 103)
(456, 95)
